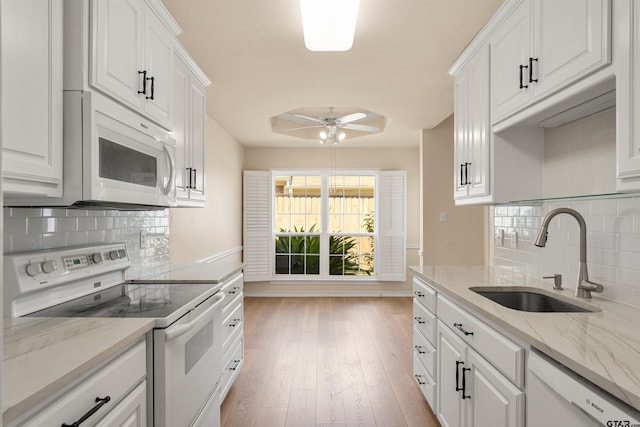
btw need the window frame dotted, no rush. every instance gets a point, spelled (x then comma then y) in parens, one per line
(324, 275)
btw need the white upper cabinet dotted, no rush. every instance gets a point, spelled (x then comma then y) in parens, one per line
(472, 128)
(32, 69)
(544, 46)
(188, 113)
(628, 96)
(132, 57)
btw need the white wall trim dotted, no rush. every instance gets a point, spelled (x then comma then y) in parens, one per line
(327, 294)
(221, 255)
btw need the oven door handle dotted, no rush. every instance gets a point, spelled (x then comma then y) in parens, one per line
(176, 331)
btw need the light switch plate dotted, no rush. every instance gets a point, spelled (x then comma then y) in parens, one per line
(514, 240)
(443, 216)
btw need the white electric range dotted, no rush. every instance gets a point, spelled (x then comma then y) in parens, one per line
(89, 281)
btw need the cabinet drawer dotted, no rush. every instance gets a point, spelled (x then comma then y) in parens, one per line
(233, 289)
(232, 324)
(426, 383)
(115, 380)
(425, 294)
(232, 363)
(424, 321)
(503, 353)
(424, 351)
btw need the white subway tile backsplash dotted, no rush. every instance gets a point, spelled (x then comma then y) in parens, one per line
(27, 229)
(613, 242)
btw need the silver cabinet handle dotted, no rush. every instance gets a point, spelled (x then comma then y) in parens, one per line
(459, 327)
(420, 320)
(420, 350)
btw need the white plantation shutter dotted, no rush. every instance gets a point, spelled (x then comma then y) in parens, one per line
(391, 252)
(257, 226)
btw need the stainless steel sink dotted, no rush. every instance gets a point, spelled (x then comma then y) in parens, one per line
(531, 299)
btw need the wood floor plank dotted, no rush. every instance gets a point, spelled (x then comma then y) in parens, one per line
(339, 361)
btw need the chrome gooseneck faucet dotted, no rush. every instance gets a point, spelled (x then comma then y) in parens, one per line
(585, 286)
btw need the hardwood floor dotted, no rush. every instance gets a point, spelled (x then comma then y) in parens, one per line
(327, 362)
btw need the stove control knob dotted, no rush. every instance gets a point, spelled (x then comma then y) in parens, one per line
(34, 268)
(113, 255)
(96, 258)
(49, 266)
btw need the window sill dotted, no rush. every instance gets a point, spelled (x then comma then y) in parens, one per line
(305, 280)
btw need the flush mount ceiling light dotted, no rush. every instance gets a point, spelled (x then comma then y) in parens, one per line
(329, 25)
(333, 126)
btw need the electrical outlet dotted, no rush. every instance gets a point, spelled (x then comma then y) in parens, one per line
(514, 240)
(500, 238)
(443, 216)
(144, 240)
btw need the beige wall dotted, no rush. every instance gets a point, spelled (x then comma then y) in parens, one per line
(461, 238)
(197, 233)
(406, 159)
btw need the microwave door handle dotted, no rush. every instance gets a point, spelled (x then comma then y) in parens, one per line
(172, 171)
(175, 331)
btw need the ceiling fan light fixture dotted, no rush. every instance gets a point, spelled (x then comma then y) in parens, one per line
(341, 136)
(323, 135)
(329, 25)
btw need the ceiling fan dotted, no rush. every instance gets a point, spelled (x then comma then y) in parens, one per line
(331, 125)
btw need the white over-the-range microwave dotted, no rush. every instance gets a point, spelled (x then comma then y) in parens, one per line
(113, 158)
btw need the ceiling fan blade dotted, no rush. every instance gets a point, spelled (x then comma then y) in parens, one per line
(303, 127)
(300, 119)
(351, 118)
(363, 128)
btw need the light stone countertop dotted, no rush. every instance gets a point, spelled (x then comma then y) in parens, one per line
(43, 355)
(196, 272)
(603, 347)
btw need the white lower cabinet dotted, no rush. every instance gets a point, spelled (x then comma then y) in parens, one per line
(114, 395)
(233, 334)
(471, 391)
(424, 334)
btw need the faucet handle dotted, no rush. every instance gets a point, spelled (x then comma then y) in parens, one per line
(588, 285)
(557, 281)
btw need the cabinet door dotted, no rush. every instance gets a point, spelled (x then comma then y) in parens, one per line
(478, 123)
(451, 349)
(32, 97)
(510, 47)
(568, 49)
(198, 109)
(493, 400)
(117, 34)
(180, 116)
(131, 412)
(628, 100)
(461, 127)
(158, 62)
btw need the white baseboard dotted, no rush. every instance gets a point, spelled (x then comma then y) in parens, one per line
(326, 294)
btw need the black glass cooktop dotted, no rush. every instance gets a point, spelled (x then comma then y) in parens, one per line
(132, 300)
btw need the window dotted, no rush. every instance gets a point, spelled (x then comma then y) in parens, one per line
(322, 225)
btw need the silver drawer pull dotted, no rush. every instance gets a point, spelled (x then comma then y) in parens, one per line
(420, 350)
(459, 327)
(234, 323)
(234, 367)
(235, 289)
(419, 294)
(420, 382)
(420, 320)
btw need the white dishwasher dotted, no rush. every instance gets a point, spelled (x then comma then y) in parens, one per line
(557, 396)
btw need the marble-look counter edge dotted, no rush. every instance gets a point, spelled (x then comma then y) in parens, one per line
(38, 361)
(196, 272)
(540, 330)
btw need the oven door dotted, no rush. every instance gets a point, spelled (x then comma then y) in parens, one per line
(129, 159)
(187, 363)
